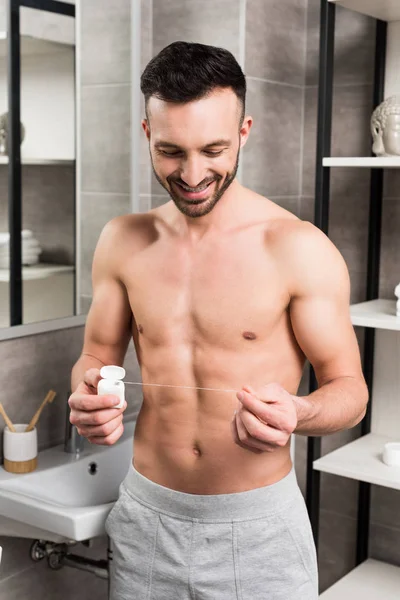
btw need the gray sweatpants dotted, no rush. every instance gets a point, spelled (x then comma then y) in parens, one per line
(168, 545)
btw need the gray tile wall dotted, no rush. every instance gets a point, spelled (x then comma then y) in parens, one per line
(352, 107)
(105, 123)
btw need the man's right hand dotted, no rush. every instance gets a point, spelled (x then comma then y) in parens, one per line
(93, 415)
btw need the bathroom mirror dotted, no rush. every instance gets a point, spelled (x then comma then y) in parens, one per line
(71, 162)
(38, 170)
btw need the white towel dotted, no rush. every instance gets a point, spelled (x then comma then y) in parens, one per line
(34, 248)
(26, 234)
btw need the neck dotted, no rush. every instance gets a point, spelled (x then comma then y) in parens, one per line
(225, 214)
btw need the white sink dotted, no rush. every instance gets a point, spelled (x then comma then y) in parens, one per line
(65, 498)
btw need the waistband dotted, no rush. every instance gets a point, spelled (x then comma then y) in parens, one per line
(250, 504)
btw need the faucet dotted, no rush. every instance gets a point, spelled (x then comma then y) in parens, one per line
(73, 442)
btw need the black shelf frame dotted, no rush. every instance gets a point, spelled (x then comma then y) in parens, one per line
(321, 220)
(14, 142)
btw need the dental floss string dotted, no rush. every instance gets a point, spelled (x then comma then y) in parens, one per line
(185, 387)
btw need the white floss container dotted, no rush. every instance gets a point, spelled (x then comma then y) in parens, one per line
(111, 383)
(391, 454)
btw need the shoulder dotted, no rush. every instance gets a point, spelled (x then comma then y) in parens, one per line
(135, 230)
(121, 239)
(307, 257)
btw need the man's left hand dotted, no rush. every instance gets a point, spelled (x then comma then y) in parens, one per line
(265, 418)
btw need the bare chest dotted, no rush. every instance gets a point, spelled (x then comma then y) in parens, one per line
(220, 292)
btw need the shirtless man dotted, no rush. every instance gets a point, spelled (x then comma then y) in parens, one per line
(220, 288)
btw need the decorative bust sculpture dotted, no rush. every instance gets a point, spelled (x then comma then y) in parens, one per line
(4, 134)
(397, 294)
(385, 128)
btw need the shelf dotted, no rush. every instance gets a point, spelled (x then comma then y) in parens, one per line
(386, 10)
(33, 46)
(361, 460)
(371, 580)
(379, 313)
(375, 162)
(39, 271)
(66, 162)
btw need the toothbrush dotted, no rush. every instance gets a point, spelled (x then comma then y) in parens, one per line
(49, 398)
(7, 420)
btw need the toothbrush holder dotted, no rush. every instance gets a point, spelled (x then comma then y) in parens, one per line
(20, 449)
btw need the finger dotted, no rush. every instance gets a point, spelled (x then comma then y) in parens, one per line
(260, 431)
(89, 402)
(255, 405)
(103, 430)
(248, 440)
(92, 377)
(272, 415)
(95, 417)
(109, 439)
(237, 439)
(249, 389)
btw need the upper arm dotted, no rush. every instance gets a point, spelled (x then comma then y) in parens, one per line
(108, 324)
(320, 305)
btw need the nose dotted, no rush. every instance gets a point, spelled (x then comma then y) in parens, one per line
(193, 172)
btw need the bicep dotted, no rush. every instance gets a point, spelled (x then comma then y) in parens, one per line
(320, 315)
(108, 324)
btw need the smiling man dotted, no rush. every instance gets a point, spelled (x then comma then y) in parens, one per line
(221, 289)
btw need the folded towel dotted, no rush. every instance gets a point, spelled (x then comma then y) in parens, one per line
(25, 253)
(26, 234)
(26, 246)
(5, 250)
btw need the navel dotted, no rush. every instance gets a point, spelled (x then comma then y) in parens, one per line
(249, 335)
(196, 451)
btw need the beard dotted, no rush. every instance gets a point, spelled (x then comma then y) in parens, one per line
(198, 208)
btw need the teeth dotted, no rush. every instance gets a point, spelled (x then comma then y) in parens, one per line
(193, 190)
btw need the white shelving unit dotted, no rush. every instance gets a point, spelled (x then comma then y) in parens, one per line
(378, 313)
(47, 99)
(41, 161)
(381, 162)
(361, 459)
(48, 293)
(371, 580)
(38, 271)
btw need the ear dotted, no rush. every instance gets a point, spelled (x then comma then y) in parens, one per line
(245, 130)
(146, 128)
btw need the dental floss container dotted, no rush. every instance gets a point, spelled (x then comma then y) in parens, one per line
(391, 454)
(111, 383)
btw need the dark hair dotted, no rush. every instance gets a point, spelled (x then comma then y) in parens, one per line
(184, 71)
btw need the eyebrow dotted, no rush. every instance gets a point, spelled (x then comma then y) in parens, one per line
(220, 142)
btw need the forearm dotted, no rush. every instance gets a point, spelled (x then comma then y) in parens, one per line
(85, 362)
(337, 405)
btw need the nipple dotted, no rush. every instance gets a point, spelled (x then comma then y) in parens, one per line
(249, 335)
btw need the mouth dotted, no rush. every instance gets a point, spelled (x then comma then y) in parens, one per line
(199, 194)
